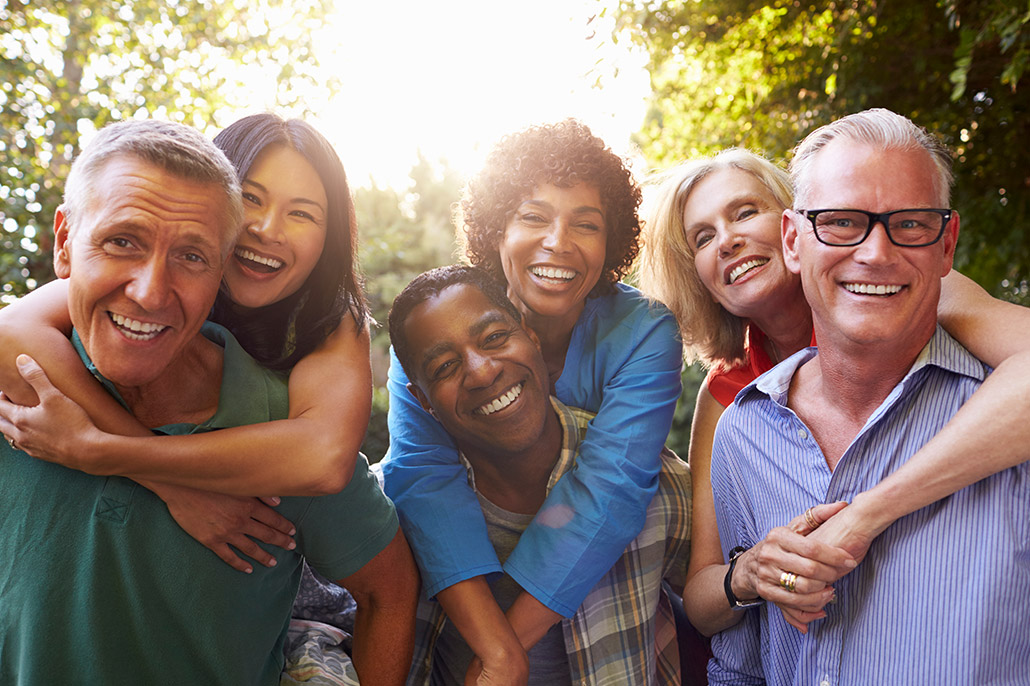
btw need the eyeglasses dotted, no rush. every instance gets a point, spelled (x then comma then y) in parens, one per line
(907, 228)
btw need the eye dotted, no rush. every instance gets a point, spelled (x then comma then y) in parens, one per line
(746, 212)
(303, 215)
(496, 339)
(251, 198)
(531, 218)
(444, 369)
(119, 245)
(195, 257)
(702, 238)
(588, 226)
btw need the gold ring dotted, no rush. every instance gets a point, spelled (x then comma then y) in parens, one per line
(788, 581)
(813, 523)
(10, 442)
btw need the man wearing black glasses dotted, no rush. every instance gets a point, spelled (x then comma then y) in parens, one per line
(941, 596)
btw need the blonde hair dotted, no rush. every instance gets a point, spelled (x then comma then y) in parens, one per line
(666, 271)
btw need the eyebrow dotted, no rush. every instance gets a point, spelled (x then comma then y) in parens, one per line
(582, 209)
(477, 328)
(299, 200)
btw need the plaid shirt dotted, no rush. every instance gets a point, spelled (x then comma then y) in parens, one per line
(624, 632)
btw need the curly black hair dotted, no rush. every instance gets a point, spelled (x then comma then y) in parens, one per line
(563, 155)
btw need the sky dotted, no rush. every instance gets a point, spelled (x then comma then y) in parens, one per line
(449, 78)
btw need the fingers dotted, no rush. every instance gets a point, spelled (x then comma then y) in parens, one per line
(785, 550)
(273, 520)
(799, 619)
(229, 557)
(34, 375)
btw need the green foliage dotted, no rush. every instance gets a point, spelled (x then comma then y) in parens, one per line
(764, 74)
(401, 237)
(679, 436)
(69, 68)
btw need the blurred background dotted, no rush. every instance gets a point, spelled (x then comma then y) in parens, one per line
(413, 94)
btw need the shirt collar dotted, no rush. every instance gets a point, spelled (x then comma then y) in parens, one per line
(941, 351)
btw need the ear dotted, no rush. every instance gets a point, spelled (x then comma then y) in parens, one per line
(422, 399)
(790, 238)
(62, 245)
(950, 240)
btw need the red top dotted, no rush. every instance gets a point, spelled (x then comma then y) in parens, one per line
(724, 385)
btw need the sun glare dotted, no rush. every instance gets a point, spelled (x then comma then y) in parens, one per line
(449, 78)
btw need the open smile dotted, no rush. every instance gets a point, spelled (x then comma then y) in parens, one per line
(135, 330)
(553, 274)
(745, 267)
(871, 288)
(258, 263)
(498, 404)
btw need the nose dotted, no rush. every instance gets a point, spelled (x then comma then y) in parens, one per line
(729, 242)
(876, 248)
(149, 286)
(557, 238)
(481, 370)
(266, 227)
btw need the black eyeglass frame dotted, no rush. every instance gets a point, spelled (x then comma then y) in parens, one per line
(879, 218)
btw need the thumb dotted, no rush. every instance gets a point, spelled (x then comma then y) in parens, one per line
(33, 373)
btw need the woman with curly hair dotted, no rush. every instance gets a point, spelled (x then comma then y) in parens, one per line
(553, 214)
(712, 252)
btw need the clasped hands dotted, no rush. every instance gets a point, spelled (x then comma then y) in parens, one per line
(796, 565)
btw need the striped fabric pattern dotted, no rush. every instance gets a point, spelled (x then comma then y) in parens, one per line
(624, 632)
(943, 596)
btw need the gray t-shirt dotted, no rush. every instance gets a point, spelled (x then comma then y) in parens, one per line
(548, 661)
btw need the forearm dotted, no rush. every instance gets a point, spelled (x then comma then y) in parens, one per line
(704, 600)
(284, 457)
(471, 607)
(386, 593)
(988, 434)
(530, 619)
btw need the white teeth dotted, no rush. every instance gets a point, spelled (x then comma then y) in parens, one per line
(871, 289)
(502, 402)
(254, 257)
(135, 329)
(553, 273)
(742, 269)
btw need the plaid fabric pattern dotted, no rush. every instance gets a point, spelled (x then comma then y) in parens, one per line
(624, 632)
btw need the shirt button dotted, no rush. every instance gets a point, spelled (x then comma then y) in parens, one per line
(803, 435)
(824, 682)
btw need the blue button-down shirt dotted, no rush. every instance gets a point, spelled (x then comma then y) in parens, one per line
(943, 596)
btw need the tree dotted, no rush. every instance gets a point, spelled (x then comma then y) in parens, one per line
(68, 68)
(764, 74)
(402, 235)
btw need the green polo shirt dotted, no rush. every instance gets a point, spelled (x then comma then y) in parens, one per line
(98, 585)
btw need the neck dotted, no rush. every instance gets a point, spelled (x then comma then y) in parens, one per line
(554, 333)
(517, 481)
(836, 392)
(187, 391)
(788, 328)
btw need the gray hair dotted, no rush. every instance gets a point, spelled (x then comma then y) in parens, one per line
(666, 270)
(878, 127)
(176, 148)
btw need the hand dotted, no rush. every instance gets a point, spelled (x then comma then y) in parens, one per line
(228, 525)
(790, 549)
(852, 530)
(56, 430)
(513, 672)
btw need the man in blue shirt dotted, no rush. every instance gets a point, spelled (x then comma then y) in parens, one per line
(941, 596)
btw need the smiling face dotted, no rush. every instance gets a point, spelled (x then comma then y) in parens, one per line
(732, 223)
(874, 292)
(553, 251)
(143, 262)
(285, 208)
(478, 371)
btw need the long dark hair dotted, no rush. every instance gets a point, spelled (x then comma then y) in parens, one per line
(280, 334)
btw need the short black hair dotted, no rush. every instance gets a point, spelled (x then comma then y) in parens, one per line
(430, 284)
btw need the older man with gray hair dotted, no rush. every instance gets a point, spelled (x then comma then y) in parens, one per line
(98, 585)
(941, 596)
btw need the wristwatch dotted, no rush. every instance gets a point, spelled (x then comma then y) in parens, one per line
(727, 583)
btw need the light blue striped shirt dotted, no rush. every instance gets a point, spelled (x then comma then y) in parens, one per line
(943, 596)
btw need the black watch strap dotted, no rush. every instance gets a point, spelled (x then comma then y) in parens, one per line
(727, 583)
